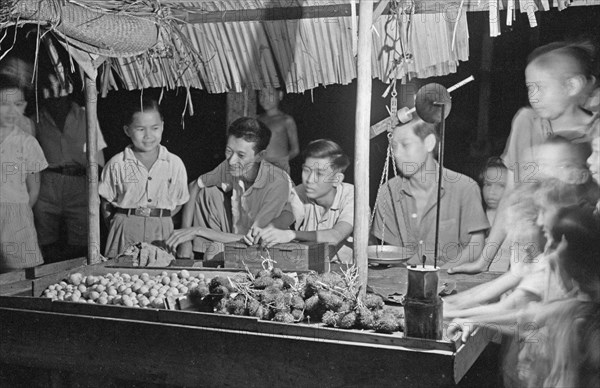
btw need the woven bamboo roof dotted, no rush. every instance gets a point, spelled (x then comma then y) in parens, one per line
(232, 45)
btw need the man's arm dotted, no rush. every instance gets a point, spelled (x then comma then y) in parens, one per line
(270, 235)
(292, 135)
(516, 300)
(489, 249)
(106, 209)
(472, 250)
(32, 181)
(185, 249)
(186, 235)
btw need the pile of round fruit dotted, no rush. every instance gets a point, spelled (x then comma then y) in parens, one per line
(123, 289)
(270, 294)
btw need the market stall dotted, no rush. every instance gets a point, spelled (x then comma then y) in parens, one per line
(187, 348)
(196, 44)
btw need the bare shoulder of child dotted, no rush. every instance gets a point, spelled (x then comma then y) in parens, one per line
(279, 146)
(284, 137)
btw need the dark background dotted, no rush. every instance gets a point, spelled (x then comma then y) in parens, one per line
(329, 112)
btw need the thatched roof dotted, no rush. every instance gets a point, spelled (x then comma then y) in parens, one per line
(232, 45)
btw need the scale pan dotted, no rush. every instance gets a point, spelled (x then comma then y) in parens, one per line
(425, 101)
(387, 254)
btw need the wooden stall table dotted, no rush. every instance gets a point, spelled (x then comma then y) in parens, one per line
(183, 348)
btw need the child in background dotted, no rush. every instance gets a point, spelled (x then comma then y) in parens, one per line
(493, 182)
(328, 203)
(283, 146)
(143, 186)
(22, 159)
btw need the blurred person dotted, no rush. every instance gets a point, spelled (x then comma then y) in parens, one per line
(22, 159)
(63, 201)
(283, 145)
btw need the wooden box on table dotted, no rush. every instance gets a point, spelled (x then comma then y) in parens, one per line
(293, 256)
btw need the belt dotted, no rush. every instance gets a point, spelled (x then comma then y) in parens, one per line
(68, 170)
(144, 212)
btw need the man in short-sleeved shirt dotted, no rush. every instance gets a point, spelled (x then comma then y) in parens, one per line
(241, 192)
(317, 218)
(61, 132)
(406, 211)
(461, 215)
(327, 204)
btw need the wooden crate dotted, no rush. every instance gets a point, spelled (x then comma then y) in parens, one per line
(292, 256)
(164, 346)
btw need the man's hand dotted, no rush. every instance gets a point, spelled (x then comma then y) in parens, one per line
(180, 236)
(270, 236)
(251, 238)
(185, 251)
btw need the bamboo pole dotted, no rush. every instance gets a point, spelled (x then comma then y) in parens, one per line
(91, 100)
(361, 148)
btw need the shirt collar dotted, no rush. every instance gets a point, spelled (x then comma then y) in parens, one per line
(336, 200)
(264, 172)
(129, 155)
(405, 187)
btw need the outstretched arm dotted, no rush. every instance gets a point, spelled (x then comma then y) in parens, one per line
(270, 235)
(483, 293)
(489, 248)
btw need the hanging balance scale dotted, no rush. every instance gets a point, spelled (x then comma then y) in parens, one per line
(423, 307)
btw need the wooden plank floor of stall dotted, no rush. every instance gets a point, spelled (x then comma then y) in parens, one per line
(190, 349)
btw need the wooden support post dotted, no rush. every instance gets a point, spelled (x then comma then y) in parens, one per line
(91, 102)
(361, 148)
(240, 105)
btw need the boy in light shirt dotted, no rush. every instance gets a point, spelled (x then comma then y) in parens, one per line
(328, 203)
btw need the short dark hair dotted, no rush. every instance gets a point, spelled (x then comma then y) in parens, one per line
(422, 129)
(252, 131)
(8, 82)
(580, 228)
(491, 162)
(325, 148)
(141, 105)
(581, 52)
(579, 150)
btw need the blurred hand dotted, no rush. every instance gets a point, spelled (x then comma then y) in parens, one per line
(464, 326)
